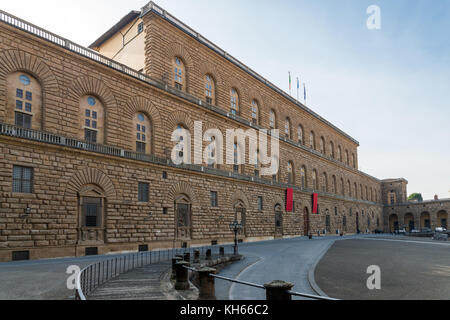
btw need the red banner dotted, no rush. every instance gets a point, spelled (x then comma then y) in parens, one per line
(289, 200)
(315, 203)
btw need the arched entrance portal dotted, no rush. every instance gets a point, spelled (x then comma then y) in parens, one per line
(442, 219)
(409, 222)
(240, 215)
(358, 231)
(278, 222)
(393, 223)
(306, 222)
(425, 220)
(183, 218)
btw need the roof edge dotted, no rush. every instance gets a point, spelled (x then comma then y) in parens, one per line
(114, 29)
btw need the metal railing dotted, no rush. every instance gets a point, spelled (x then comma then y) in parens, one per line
(258, 286)
(97, 274)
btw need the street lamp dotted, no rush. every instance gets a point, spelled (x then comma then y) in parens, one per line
(236, 227)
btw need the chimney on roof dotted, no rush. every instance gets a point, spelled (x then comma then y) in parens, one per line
(436, 198)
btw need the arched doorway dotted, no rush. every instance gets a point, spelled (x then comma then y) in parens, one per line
(409, 222)
(183, 218)
(91, 217)
(358, 230)
(393, 223)
(425, 220)
(278, 222)
(240, 215)
(306, 222)
(442, 219)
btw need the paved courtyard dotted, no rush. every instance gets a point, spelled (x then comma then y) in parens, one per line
(410, 269)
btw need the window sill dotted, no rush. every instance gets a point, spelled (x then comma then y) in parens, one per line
(23, 195)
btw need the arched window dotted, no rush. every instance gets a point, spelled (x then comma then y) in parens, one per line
(332, 150)
(367, 194)
(315, 181)
(325, 182)
(347, 159)
(303, 177)
(258, 164)
(354, 160)
(349, 185)
(342, 187)
(24, 101)
(371, 194)
(236, 162)
(290, 173)
(272, 120)
(340, 153)
(212, 152)
(234, 102)
(92, 204)
(92, 116)
(322, 145)
(255, 112)
(210, 89)
(362, 192)
(275, 177)
(142, 133)
(334, 185)
(312, 140)
(287, 128)
(179, 74)
(356, 190)
(300, 135)
(180, 148)
(183, 217)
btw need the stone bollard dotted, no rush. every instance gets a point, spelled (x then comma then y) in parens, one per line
(182, 274)
(222, 251)
(208, 255)
(187, 257)
(207, 290)
(174, 262)
(196, 256)
(278, 290)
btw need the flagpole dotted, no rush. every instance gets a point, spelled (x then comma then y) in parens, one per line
(304, 89)
(290, 84)
(298, 90)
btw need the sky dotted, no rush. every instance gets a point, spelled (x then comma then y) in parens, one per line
(387, 88)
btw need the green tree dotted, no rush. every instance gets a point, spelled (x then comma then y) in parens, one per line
(416, 196)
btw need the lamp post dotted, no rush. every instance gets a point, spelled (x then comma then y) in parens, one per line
(236, 227)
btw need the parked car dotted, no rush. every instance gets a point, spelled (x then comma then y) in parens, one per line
(401, 231)
(415, 231)
(426, 230)
(378, 231)
(441, 229)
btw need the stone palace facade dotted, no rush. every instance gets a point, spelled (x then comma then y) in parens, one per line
(85, 141)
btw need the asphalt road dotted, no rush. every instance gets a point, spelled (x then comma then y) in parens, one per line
(40, 280)
(410, 270)
(289, 260)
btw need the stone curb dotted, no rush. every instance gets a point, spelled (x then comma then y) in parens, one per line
(312, 270)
